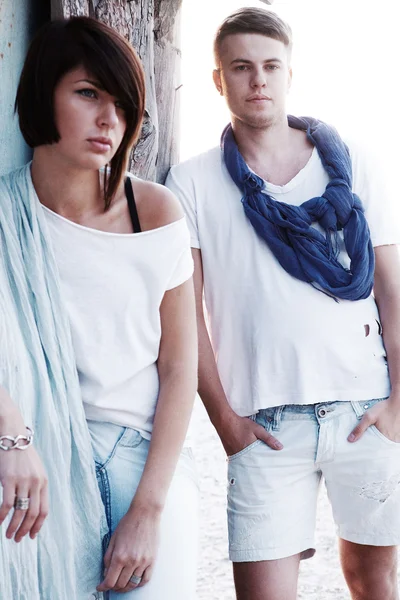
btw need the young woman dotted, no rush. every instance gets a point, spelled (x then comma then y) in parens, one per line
(96, 304)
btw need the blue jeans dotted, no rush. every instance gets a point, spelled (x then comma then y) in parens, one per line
(120, 454)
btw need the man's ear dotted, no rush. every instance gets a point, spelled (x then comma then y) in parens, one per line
(290, 79)
(217, 81)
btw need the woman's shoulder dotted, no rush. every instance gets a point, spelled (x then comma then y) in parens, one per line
(16, 186)
(157, 206)
(8, 178)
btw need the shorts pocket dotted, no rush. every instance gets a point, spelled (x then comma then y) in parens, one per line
(244, 450)
(380, 435)
(364, 406)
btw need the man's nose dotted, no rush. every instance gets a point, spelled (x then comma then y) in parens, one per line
(259, 78)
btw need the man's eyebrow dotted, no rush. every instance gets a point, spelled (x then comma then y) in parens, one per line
(249, 62)
(92, 82)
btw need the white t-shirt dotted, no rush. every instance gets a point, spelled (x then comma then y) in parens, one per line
(113, 285)
(278, 340)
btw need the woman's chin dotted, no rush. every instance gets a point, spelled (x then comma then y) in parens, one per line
(93, 161)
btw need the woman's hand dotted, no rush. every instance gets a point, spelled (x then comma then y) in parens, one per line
(22, 475)
(132, 550)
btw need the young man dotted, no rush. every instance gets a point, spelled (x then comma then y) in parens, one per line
(295, 378)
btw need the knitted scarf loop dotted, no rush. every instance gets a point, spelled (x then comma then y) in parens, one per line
(302, 250)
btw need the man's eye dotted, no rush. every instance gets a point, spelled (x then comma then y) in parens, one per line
(241, 68)
(87, 93)
(272, 67)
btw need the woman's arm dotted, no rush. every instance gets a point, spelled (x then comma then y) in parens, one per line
(21, 476)
(177, 367)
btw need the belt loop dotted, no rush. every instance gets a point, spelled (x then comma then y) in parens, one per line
(277, 418)
(358, 408)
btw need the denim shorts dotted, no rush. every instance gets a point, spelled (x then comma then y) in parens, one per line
(272, 495)
(120, 454)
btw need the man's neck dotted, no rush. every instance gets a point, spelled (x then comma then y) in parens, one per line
(71, 192)
(257, 142)
(276, 152)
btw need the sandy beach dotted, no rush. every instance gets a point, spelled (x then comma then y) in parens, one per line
(320, 576)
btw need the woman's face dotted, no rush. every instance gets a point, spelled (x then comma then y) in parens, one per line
(90, 121)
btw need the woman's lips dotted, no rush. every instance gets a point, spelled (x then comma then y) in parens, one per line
(100, 144)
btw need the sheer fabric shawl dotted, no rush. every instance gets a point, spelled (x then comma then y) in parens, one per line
(37, 367)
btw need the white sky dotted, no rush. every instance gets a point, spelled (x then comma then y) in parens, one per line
(345, 70)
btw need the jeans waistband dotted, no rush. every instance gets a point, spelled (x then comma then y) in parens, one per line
(322, 411)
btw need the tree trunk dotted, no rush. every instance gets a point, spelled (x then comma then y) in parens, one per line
(152, 27)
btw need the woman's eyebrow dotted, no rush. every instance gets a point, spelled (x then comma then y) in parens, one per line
(92, 82)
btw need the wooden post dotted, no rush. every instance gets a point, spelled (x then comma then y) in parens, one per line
(152, 27)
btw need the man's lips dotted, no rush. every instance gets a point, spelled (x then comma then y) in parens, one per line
(257, 98)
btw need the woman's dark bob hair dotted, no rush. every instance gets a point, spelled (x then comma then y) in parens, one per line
(66, 44)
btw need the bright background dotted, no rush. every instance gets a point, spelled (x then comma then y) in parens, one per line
(345, 70)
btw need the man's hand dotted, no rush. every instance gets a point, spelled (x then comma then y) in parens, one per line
(385, 416)
(240, 432)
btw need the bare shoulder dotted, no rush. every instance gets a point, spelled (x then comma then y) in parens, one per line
(156, 205)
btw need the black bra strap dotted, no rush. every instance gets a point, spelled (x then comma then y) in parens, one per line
(132, 206)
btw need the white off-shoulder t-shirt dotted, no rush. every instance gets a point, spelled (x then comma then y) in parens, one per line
(113, 285)
(277, 340)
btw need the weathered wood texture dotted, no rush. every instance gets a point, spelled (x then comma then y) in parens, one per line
(152, 26)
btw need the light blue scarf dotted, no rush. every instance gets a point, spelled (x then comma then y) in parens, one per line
(37, 367)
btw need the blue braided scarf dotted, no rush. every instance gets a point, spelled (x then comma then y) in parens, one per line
(300, 248)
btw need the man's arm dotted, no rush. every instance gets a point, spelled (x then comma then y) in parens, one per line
(386, 415)
(387, 296)
(235, 432)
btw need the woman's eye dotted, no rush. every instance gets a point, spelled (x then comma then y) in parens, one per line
(87, 93)
(120, 105)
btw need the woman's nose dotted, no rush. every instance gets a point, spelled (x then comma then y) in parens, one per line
(108, 116)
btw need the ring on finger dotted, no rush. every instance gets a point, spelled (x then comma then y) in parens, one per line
(135, 579)
(21, 503)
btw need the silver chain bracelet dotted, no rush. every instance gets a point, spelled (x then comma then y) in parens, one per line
(19, 442)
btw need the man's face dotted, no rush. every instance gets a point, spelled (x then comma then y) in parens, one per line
(254, 76)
